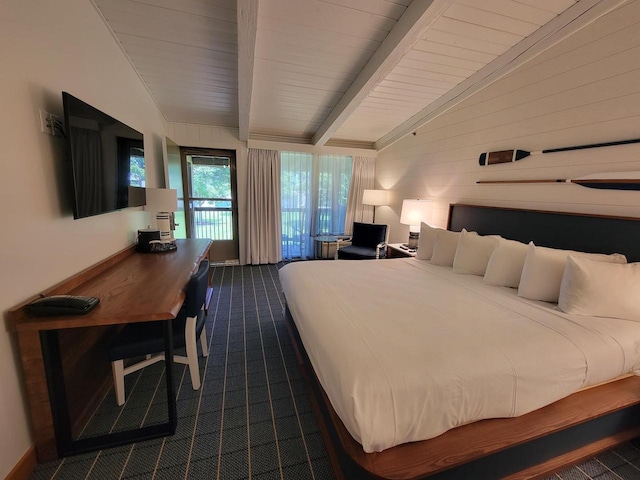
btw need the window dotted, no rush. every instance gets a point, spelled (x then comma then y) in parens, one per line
(314, 196)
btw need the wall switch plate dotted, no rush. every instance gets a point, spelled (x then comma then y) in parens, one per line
(47, 122)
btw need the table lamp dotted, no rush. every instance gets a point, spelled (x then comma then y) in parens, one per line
(164, 202)
(413, 213)
(377, 198)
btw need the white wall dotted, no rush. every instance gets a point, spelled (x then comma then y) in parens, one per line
(48, 47)
(583, 90)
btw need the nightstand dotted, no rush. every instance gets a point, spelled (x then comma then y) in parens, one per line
(397, 250)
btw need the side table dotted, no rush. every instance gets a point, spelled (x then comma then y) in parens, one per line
(399, 250)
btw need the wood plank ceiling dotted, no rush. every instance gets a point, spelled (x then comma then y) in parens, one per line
(348, 72)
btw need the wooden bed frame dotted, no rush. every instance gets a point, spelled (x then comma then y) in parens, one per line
(529, 446)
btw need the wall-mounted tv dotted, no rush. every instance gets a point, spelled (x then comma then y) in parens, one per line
(107, 160)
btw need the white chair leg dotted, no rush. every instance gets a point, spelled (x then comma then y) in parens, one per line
(192, 352)
(203, 342)
(117, 368)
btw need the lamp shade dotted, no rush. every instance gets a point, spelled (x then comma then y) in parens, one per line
(415, 211)
(377, 198)
(161, 200)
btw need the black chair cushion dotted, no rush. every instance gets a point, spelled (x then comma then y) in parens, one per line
(353, 252)
(138, 339)
(368, 234)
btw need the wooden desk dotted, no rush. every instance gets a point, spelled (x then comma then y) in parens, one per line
(132, 287)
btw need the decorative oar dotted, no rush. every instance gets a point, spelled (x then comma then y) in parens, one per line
(608, 181)
(507, 156)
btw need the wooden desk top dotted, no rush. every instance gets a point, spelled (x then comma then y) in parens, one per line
(132, 287)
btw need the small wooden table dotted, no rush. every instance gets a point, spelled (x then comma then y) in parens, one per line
(395, 250)
(326, 245)
(65, 354)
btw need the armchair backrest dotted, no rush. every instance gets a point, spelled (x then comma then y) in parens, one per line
(368, 234)
(197, 289)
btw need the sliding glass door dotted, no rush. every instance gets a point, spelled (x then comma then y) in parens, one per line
(314, 196)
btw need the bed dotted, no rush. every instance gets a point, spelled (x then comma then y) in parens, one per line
(388, 413)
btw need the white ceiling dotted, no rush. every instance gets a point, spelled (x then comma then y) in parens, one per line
(348, 72)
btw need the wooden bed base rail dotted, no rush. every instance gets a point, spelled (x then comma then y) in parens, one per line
(529, 446)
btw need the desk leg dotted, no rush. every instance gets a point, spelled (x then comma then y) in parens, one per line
(167, 332)
(59, 410)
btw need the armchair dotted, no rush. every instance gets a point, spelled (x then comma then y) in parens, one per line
(367, 243)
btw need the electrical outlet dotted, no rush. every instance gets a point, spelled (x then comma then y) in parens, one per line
(47, 122)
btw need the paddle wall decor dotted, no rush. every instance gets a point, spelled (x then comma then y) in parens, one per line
(508, 156)
(608, 181)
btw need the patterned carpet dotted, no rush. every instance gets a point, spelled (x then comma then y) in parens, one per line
(252, 417)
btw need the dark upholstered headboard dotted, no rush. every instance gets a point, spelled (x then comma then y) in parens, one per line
(574, 231)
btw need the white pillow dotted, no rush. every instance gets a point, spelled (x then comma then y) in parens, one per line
(473, 253)
(505, 265)
(444, 249)
(600, 289)
(543, 269)
(426, 241)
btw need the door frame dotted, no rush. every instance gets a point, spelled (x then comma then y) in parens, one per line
(199, 151)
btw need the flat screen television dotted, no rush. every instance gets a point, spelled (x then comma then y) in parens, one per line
(107, 160)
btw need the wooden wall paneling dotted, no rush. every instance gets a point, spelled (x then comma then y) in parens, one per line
(203, 43)
(382, 8)
(572, 19)
(405, 33)
(517, 25)
(556, 6)
(222, 56)
(478, 31)
(314, 34)
(453, 51)
(448, 38)
(329, 17)
(428, 57)
(576, 95)
(161, 10)
(517, 10)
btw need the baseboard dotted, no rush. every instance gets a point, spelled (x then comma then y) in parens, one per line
(25, 466)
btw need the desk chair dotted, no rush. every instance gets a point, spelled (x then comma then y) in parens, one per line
(145, 339)
(367, 242)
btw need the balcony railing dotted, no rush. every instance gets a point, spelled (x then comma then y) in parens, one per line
(296, 241)
(213, 222)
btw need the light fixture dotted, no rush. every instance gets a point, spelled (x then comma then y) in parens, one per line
(413, 213)
(164, 202)
(376, 198)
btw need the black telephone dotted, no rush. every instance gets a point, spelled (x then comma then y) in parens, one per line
(62, 305)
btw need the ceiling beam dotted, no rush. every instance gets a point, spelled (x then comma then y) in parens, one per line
(567, 23)
(409, 29)
(247, 27)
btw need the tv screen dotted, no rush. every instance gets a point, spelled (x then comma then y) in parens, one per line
(107, 160)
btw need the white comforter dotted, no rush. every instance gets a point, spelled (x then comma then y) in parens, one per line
(406, 350)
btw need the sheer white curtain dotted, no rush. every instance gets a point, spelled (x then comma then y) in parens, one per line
(362, 178)
(264, 227)
(297, 204)
(333, 178)
(314, 199)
